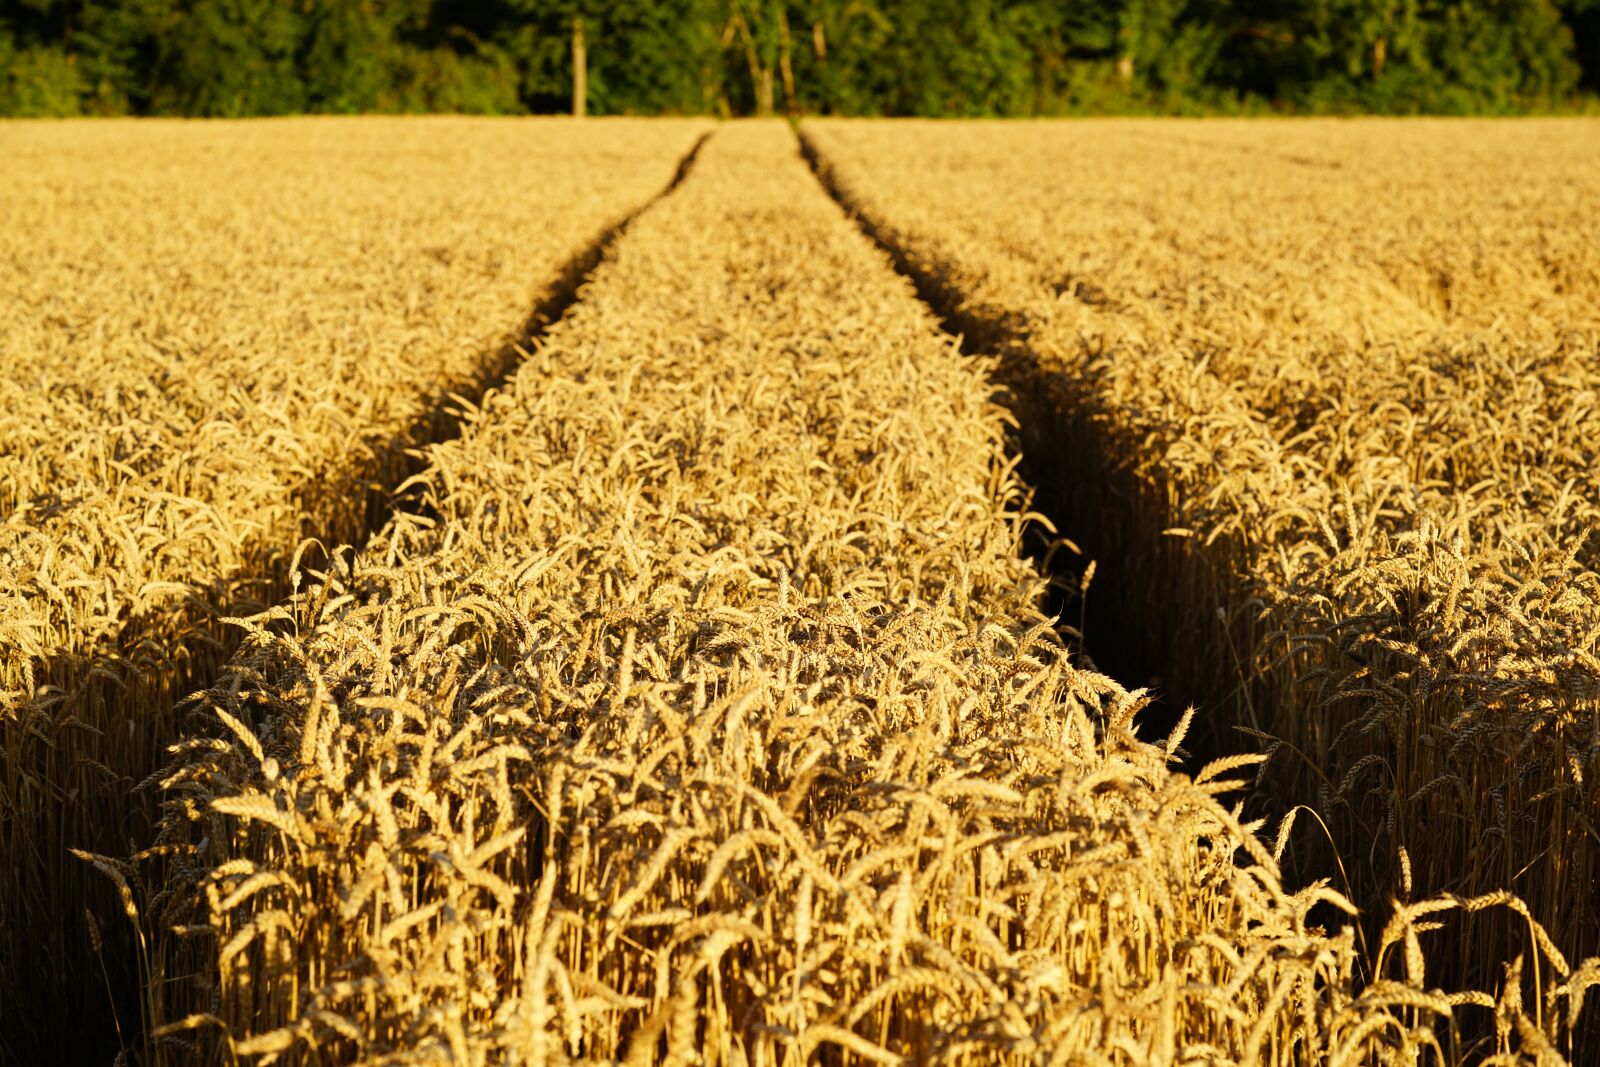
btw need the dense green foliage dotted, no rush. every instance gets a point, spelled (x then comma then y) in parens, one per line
(899, 57)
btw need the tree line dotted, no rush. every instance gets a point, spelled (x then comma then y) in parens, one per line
(744, 57)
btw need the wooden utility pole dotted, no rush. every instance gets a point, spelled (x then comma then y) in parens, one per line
(580, 71)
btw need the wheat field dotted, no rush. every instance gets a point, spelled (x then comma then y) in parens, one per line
(547, 592)
(1336, 382)
(220, 339)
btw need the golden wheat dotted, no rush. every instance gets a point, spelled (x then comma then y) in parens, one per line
(703, 712)
(220, 339)
(1330, 391)
(696, 704)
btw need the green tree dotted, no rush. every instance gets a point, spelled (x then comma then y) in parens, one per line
(352, 56)
(119, 45)
(643, 56)
(1429, 55)
(907, 57)
(233, 58)
(951, 57)
(1504, 54)
(648, 57)
(838, 55)
(39, 81)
